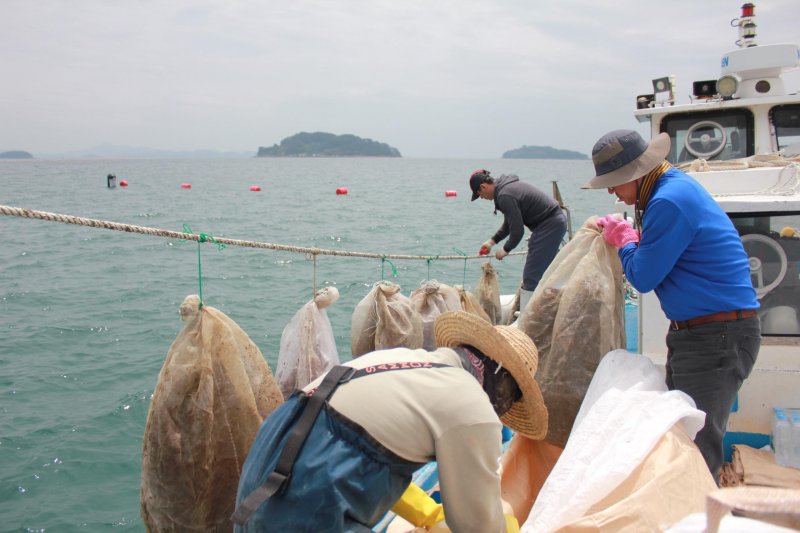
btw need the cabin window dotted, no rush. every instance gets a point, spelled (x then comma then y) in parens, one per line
(786, 121)
(772, 243)
(713, 135)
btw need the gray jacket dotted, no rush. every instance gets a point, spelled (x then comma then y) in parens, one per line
(522, 205)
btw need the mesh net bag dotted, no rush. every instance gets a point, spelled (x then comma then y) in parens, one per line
(470, 303)
(213, 392)
(431, 300)
(488, 292)
(308, 348)
(384, 319)
(575, 316)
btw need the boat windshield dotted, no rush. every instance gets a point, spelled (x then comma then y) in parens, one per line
(712, 135)
(786, 119)
(772, 243)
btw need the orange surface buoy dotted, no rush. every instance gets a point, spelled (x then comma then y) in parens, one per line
(255, 188)
(450, 193)
(341, 190)
(123, 183)
(186, 185)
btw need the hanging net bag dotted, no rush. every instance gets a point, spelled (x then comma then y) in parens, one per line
(575, 316)
(383, 319)
(213, 392)
(308, 348)
(488, 292)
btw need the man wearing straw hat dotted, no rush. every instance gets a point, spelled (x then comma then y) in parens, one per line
(691, 255)
(393, 411)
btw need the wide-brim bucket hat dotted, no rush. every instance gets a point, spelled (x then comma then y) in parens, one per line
(622, 156)
(515, 351)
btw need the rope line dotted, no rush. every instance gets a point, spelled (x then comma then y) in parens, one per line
(219, 241)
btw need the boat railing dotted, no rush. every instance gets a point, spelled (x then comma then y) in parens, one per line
(564, 207)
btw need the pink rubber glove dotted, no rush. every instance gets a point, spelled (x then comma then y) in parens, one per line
(617, 232)
(601, 221)
(500, 254)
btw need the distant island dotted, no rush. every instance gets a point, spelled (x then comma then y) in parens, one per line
(322, 144)
(16, 154)
(542, 152)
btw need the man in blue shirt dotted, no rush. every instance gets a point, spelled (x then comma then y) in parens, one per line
(691, 255)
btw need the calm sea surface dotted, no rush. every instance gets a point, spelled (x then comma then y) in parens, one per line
(87, 315)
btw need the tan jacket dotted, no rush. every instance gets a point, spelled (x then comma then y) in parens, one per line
(429, 414)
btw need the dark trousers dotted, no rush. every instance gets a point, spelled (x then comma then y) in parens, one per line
(542, 249)
(709, 363)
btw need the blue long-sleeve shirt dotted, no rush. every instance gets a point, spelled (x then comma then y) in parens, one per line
(690, 253)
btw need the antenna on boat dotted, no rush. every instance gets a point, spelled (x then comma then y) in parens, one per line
(747, 26)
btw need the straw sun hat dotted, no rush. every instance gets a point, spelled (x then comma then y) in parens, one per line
(515, 351)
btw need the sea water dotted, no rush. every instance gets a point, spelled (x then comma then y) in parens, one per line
(87, 315)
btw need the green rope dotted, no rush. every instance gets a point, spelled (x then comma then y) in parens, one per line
(463, 283)
(209, 238)
(429, 260)
(383, 262)
(203, 237)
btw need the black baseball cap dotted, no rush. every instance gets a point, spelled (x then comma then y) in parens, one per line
(478, 177)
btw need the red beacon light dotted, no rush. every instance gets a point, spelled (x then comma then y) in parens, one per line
(341, 190)
(747, 26)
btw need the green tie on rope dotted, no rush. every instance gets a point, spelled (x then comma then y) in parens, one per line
(429, 260)
(383, 262)
(463, 283)
(203, 237)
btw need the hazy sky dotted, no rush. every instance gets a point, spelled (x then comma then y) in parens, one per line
(431, 78)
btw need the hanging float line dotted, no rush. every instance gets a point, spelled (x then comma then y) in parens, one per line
(156, 232)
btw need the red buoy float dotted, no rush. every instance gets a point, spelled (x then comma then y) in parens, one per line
(123, 183)
(450, 193)
(186, 185)
(255, 188)
(341, 190)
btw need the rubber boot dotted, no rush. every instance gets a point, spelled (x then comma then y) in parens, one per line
(524, 298)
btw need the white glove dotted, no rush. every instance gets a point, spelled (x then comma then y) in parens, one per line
(500, 254)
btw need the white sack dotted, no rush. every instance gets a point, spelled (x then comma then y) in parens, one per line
(626, 411)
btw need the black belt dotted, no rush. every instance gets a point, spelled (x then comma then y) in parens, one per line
(722, 316)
